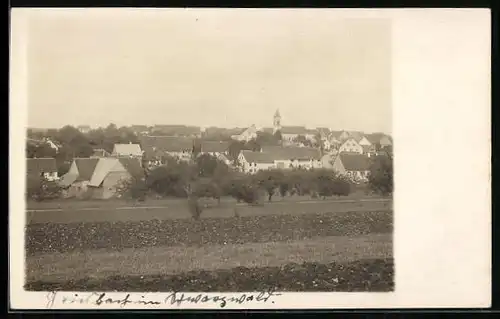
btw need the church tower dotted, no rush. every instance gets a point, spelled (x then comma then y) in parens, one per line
(277, 121)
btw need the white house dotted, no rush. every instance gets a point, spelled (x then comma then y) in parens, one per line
(127, 150)
(247, 135)
(282, 158)
(351, 146)
(252, 162)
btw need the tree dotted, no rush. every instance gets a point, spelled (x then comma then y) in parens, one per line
(196, 148)
(380, 179)
(278, 136)
(207, 188)
(206, 165)
(252, 145)
(301, 139)
(270, 181)
(265, 138)
(235, 148)
(132, 188)
(40, 189)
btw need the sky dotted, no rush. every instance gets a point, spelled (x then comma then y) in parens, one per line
(208, 67)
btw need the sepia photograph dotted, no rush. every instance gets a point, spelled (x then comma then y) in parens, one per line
(226, 157)
(185, 152)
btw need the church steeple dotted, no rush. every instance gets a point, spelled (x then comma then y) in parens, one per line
(277, 121)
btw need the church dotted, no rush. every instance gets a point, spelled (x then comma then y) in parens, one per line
(289, 133)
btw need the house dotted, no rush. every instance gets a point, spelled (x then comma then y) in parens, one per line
(127, 150)
(294, 157)
(354, 166)
(177, 147)
(214, 148)
(289, 133)
(252, 162)
(280, 158)
(247, 134)
(84, 129)
(42, 167)
(99, 178)
(351, 146)
(75, 181)
(110, 173)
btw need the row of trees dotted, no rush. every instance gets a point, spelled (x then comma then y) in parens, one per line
(209, 177)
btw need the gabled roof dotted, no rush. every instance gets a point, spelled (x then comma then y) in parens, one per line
(127, 149)
(257, 157)
(86, 167)
(166, 143)
(214, 146)
(37, 166)
(132, 166)
(355, 162)
(68, 179)
(102, 169)
(292, 152)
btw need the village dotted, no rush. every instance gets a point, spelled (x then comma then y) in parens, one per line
(248, 151)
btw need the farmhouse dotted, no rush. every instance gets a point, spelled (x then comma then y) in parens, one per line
(127, 150)
(246, 135)
(280, 158)
(294, 157)
(252, 162)
(99, 178)
(76, 180)
(355, 166)
(351, 146)
(110, 173)
(42, 167)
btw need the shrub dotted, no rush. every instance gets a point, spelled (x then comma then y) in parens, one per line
(40, 189)
(381, 175)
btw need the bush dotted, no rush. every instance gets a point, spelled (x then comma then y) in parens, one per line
(134, 188)
(39, 189)
(381, 175)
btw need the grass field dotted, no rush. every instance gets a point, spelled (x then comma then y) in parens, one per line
(177, 209)
(292, 246)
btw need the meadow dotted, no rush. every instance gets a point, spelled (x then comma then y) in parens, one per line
(309, 245)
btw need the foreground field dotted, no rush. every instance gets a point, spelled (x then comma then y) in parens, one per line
(341, 251)
(178, 209)
(375, 275)
(58, 237)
